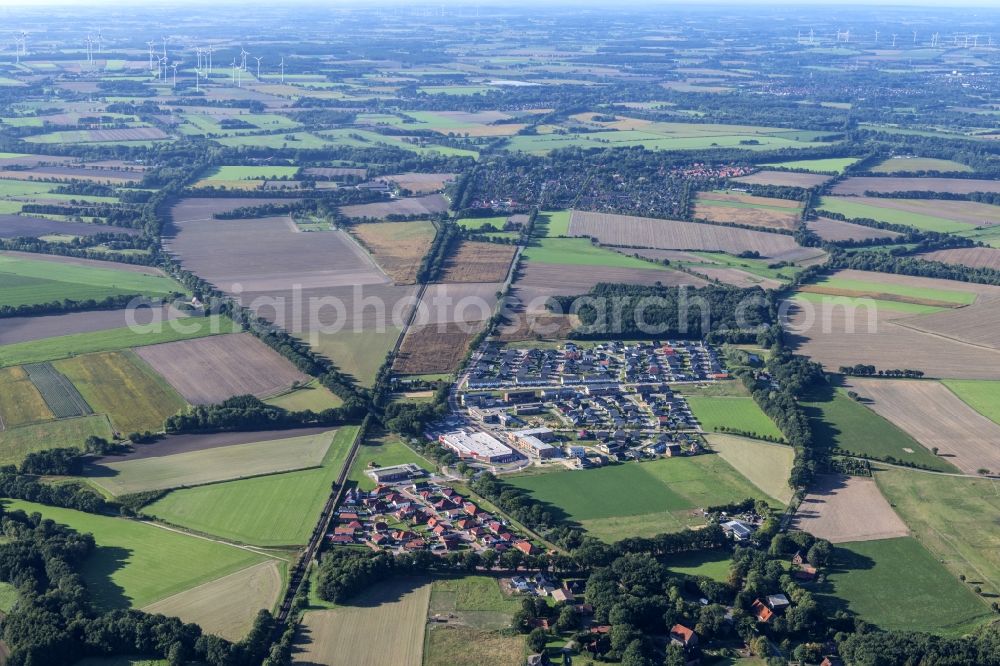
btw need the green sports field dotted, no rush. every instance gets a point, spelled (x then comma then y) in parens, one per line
(640, 499)
(853, 209)
(839, 421)
(742, 414)
(946, 515)
(897, 584)
(983, 396)
(580, 252)
(64, 346)
(259, 511)
(118, 572)
(27, 281)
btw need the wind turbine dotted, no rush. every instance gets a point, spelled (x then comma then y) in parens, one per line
(234, 70)
(876, 36)
(243, 57)
(100, 41)
(894, 40)
(164, 47)
(151, 44)
(258, 59)
(914, 37)
(282, 69)
(175, 72)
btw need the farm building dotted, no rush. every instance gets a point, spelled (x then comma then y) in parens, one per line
(395, 473)
(477, 445)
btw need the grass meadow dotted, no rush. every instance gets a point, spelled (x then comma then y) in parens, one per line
(737, 413)
(639, 499)
(983, 396)
(830, 165)
(257, 511)
(897, 584)
(853, 210)
(580, 252)
(15, 443)
(118, 572)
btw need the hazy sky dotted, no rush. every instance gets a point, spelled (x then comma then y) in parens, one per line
(501, 3)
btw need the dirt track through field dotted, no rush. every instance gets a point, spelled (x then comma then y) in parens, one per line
(847, 508)
(936, 418)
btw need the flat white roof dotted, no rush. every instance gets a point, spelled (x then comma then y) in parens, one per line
(477, 444)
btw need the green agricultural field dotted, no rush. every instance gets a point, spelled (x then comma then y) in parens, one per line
(115, 339)
(837, 421)
(876, 289)
(713, 564)
(829, 165)
(123, 386)
(20, 401)
(892, 583)
(946, 514)
(853, 209)
(358, 353)
(383, 451)
(988, 235)
(640, 499)
(741, 414)
(758, 267)
(196, 468)
(909, 164)
(313, 396)
(982, 396)
(553, 223)
(476, 223)
(117, 574)
(580, 252)
(256, 511)
(29, 281)
(233, 176)
(15, 443)
(357, 138)
(768, 466)
(477, 600)
(864, 307)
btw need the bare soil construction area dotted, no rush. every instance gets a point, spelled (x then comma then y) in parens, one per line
(426, 205)
(783, 178)
(476, 261)
(858, 185)
(208, 370)
(835, 230)
(14, 226)
(936, 418)
(645, 232)
(847, 508)
(974, 257)
(25, 329)
(269, 254)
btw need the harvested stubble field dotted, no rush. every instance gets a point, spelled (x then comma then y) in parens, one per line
(455, 645)
(93, 175)
(98, 136)
(736, 208)
(209, 370)
(270, 254)
(20, 401)
(335, 172)
(195, 468)
(420, 183)
(397, 247)
(432, 349)
(536, 281)
(430, 204)
(767, 466)
(476, 261)
(26, 329)
(170, 445)
(858, 185)
(977, 324)
(783, 178)
(63, 399)
(847, 508)
(937, 418)
(457, 302)
(15, 443)
(121, 385)
(974, 257)
(200, 209)
(931, 214)
(226, 606)
(391, 616)
(835, 230)
(15, 226)
(645, 232)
